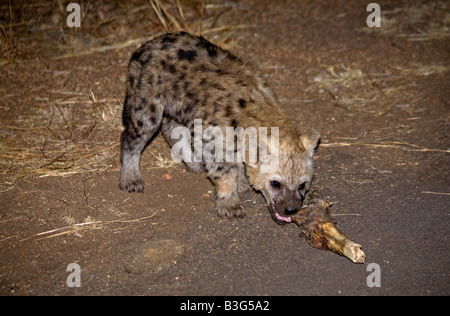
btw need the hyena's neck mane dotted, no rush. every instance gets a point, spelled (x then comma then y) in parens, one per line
(260, 106)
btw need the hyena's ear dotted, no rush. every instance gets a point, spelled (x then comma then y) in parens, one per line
(310, 143)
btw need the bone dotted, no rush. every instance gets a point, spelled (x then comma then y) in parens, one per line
(320, 232)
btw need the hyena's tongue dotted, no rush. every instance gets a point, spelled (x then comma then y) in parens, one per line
(281, 218)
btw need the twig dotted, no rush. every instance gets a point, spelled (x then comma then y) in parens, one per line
(65, 121)
(10, 23)
(10, 220)
(435, 193)
(226, 27)
(202, 15)
(394, 144)
(83, 226)
(170, 17)
(104, 48)
(97, 152)
(157, 9)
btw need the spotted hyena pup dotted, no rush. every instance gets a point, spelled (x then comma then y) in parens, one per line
(179, 78)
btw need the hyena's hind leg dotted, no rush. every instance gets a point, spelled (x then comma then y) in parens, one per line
(141, 118)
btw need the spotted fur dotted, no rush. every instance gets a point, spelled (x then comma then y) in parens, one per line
(179, 77)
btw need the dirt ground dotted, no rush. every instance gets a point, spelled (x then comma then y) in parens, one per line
(378, 96)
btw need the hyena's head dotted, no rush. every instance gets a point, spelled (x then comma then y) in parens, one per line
(285, 182)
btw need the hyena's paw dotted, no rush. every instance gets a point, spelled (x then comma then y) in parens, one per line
(230, 210)
(135, 184)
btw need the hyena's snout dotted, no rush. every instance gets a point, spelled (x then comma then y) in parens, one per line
(285, 206)
(290, 210)
(291, 205)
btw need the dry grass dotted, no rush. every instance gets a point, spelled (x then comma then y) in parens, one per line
(67, 133)
(396, 144)
(56, 140)
(377, 93)
(419, 70)
(6, 37)
(78, 228)
(111, 26)
(63, 133)
(163, 162)
(417, 22)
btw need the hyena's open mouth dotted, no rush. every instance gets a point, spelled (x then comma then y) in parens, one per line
(282, 220)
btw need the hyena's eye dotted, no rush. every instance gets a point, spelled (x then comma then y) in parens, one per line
(276, 184)
(302, 186)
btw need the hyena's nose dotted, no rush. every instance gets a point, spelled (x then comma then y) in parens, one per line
(290, 210)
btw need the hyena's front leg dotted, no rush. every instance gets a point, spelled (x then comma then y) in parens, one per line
(227, 200)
